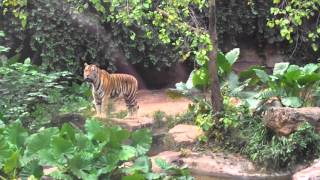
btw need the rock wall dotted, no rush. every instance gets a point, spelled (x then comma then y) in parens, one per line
(151, 78)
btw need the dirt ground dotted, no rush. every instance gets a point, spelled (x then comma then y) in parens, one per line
(154, 100)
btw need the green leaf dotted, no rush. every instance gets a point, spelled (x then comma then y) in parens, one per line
(293, 73)
(201, 77)
(2, 34)
(39, 141)
(141, 140)
(189, 83)
(96, 131)
(224, 67)
(309, 78)
(12, 163)
(61, 146)
(134, 177)
(5, 150)
(4, 49)
(162, 164)
(127, 152)
(249, 73)
(16, 134)
(68, 131)
(77, 163)
(294, 102)
(233, 80)
(27, 61)
(314, 47)
(48, 157)
(264, 77)
(280, 68)
(32, 168)
(310, 68)
(252, 103)
(118, 136)
(233, 55)
(142, 164)
(276, 1)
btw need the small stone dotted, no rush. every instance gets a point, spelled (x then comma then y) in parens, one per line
(185, 134)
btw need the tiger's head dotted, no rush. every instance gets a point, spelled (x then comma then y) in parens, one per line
(90, 72)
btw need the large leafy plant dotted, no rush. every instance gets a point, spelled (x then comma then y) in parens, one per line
(200, 78)
(98, 152)
(12, 165)
(294, 86)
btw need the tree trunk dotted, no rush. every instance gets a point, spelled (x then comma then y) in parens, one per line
(216, 98)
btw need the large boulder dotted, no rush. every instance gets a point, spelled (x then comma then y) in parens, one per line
(312, 172)
(285, 120)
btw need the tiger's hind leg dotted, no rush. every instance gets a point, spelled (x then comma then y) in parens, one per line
(132, 108)
(133, 111)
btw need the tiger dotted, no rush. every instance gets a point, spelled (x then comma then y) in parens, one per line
(107, 86)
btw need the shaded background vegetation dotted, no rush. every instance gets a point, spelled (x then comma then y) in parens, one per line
(58, 38)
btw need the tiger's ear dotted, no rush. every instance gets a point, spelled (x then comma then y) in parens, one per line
(86, 64)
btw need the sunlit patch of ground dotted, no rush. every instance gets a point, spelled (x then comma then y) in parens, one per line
(154, 100)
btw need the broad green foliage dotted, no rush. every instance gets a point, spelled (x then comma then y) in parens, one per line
(200, 78)
(297, 18)
(35, 97)
(98, 152)
(202, 109)
(12, 147)
(294, 86)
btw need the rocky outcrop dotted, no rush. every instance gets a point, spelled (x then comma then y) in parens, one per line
(184, 134)
(310, 173)
(284, 120)
(134, 123)
(216, 165)
(74, 119)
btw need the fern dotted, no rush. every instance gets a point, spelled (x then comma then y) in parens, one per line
(269, 93)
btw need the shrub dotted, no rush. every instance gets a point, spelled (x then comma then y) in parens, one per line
(280, 152)
(35, 97)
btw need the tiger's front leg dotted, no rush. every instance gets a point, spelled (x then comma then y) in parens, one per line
(98, 106)
(104, 107)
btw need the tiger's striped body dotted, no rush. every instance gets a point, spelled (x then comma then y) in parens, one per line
(106, 86)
